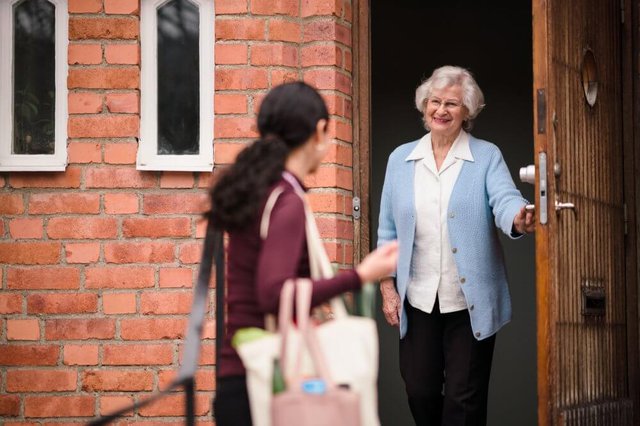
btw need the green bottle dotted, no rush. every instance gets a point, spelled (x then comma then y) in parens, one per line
(277, 381)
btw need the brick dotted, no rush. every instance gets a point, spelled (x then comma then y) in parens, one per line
(82, 252)
(280, 30)
(119, 178)
(104, 78)
(82, 227)
(331, 177)
(137, 355)
(9, 405)
(85, 6)
(85, 103)
(225, 7)
(326, 30)
(123, 102)
(240, 29)
(321, 54)
(104, 126)
(324, 7)
(206, 178)
(119, 277)
(120, 153)
(112, 403)
(122, 7)
(274, 54)
(275, 7)
(139, 252)
(279, 76)
(173, 405)
(57, 202)
(193, 203)
(175, 277)
(327, 202)
(62, 303)
(84, 54)
(117, 380)
(23, 329)
(103, 28)
(176, 180)
(241, 79)
(29, 355)
(348, 60)
(32, 253)
(230, 104)
(341, 130)
(68, 179)
(25, 228)
(41, 380)
(226, 153)
(121, 203)
(80, 355)
(165, 303)
(122, 54)
(83, 153)
(339, 154)
(152, 328)
(57, 278)
(335, 228)
(335, 104)
(80, 329)
(328, 79)
(10, 303)
(119, 303)
(59, 406)
(231, 54)
(156, 227)
(11, 204)
(204, 378)
(190, 253)
(235, 127)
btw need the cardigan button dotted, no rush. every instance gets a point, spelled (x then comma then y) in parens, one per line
(452, 215)
(454, 250)
(478, 334)
(463, 280)
(471, 308)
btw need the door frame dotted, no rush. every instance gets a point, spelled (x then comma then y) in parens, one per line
(630, 74)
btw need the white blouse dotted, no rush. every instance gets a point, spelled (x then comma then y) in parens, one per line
(433, 269)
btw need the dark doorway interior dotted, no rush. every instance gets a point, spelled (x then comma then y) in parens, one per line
(409, 39)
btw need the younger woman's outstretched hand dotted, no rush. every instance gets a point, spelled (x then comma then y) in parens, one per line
(380, 263)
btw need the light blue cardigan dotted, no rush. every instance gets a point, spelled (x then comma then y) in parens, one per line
(484, 193)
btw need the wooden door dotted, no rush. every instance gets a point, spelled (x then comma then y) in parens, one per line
(584, 366)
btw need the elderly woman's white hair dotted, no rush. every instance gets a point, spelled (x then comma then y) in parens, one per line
(472, 97)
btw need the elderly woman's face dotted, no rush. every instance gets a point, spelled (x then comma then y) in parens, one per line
(444, 112)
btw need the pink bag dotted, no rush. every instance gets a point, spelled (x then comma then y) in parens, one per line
(327, 404)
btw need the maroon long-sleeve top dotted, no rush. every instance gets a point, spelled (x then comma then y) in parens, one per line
(257, 269)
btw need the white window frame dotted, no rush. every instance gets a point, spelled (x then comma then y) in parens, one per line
(148, 158)
(33, 162)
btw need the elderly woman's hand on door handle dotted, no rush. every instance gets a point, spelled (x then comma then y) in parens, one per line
(525, 221)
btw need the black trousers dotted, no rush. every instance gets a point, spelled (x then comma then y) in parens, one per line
(445, 369)
(231, 406)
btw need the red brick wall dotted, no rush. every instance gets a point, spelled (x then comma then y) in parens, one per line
(97, 263)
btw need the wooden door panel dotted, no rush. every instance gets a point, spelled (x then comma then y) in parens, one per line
(583, 340)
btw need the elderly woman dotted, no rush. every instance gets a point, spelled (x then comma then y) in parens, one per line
(444, 195)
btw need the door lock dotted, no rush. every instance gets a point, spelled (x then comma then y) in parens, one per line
(565, 206)
(528, 175)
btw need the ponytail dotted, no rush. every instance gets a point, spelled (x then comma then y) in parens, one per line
(237, 195)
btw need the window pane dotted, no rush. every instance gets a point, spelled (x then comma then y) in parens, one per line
(34, 77)
(178, 78)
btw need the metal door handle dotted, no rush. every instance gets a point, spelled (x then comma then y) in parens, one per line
(563, 206)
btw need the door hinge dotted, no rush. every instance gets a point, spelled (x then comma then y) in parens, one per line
(626, 219)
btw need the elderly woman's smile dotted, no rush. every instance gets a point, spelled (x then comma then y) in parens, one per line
(445, 113)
